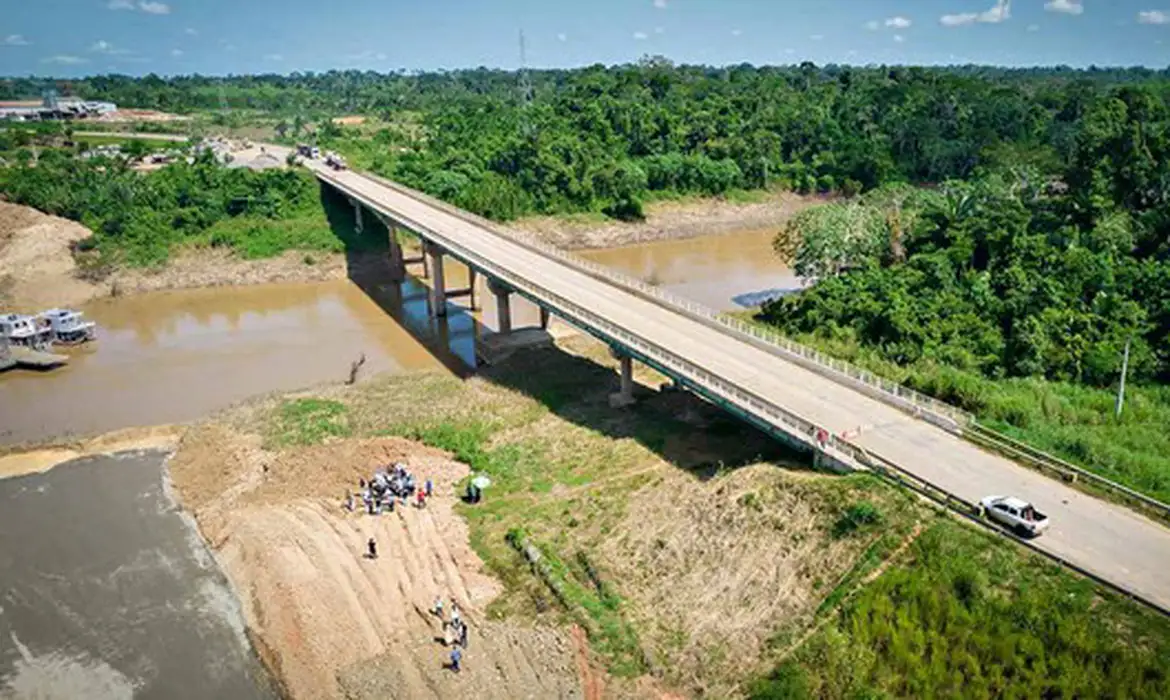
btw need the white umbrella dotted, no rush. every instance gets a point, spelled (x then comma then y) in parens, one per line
(481, 482)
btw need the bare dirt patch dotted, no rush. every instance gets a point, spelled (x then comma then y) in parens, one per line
(18, 461)
(37, 269)
(331, 623)
(670, 220)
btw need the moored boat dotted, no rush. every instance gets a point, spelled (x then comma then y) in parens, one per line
(26, 331)
(67, 326)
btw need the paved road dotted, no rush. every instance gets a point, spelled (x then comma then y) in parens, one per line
(107, 592)
(1111, 541)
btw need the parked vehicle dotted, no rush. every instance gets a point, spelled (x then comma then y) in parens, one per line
(69, 327)
(26, 331)
(1019, 515)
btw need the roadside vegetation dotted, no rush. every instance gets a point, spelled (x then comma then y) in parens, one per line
(666, 532)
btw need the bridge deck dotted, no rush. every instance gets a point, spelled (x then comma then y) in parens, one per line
(1107, 540)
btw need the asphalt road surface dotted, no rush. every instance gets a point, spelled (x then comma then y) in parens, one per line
(108, 592)
(1108, 540)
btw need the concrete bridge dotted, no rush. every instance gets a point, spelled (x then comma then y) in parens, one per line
(845, 417)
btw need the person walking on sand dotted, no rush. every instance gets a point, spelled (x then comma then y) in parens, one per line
(456, 657)
(430, 487)
(372, 549)
(463, 635)
(454, 613)
(438, 609)
(421, 499)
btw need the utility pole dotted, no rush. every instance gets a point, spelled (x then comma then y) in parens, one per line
(1121, 386)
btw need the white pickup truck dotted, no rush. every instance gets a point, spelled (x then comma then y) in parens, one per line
(1017, 514)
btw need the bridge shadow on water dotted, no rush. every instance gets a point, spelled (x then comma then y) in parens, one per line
(680, 427)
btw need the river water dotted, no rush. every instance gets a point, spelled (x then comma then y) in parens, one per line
(173, 356)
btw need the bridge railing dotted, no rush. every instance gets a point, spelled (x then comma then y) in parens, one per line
(799, 428)
(952, 417)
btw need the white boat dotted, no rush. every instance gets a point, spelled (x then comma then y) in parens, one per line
(69, 327)
(26, 331)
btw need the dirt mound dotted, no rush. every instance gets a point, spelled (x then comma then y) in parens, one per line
(328, 621)
(37, 269)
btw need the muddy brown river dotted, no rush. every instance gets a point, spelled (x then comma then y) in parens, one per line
(168, 357)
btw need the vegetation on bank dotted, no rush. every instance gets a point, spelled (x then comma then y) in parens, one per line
(139, 219)
(971, 616)
(923, 607)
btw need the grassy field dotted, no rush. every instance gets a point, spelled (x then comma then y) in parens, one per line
(695, 550)
(1071, 421)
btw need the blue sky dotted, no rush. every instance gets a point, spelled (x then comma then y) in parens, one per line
(71, 38)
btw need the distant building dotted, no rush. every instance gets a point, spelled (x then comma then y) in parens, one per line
(53, 107)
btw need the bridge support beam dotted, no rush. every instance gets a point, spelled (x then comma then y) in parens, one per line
(438, 285)
(468, 291)
(503, 306)
(625, 395)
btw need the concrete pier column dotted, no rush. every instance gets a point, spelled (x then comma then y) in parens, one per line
(543, 319)
(625, 395)
(503, 306)
(357, 215)
(397, 258)
(438, 285)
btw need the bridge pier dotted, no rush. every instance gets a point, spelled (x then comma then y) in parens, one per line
(543, 319)
(503, 306)
(357, 215)
(438, 284)
(468, 291)
(625, 394)
(397, 258)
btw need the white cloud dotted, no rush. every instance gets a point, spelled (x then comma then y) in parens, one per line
(176, 52)
(1068, 7)
(120, 5)
(1033, 27)
(154, 8)
(64, 60)
(660, 4)
(736, 32)
(190, 32)
(899, 38)
(898, 22)
(639, 35)
(562, 37)
(16, 40)
(1154, 17)
(108, 49)
(273, 57)
(1000, 13)
(816, 37)
(660, 30)
(873, 25)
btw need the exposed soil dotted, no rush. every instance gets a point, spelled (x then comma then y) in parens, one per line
(332, 623)
(19, 462)
(38, 270)
(670, 220)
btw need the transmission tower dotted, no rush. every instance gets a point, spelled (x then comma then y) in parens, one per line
(525, 90)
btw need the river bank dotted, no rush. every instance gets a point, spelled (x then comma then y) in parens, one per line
(38, 268)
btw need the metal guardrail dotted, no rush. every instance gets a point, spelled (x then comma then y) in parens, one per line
(1020, 451)
(829, 367)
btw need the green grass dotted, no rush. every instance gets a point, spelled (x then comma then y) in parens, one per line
(973, 617)
(300, 422)
(1070, 421)
(255, 237)
(118, 140)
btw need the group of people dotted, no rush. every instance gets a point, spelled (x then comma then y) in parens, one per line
(454, 632)
(387, 486)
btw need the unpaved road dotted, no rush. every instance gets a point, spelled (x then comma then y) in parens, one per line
(109, 593)
(1108, 540)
